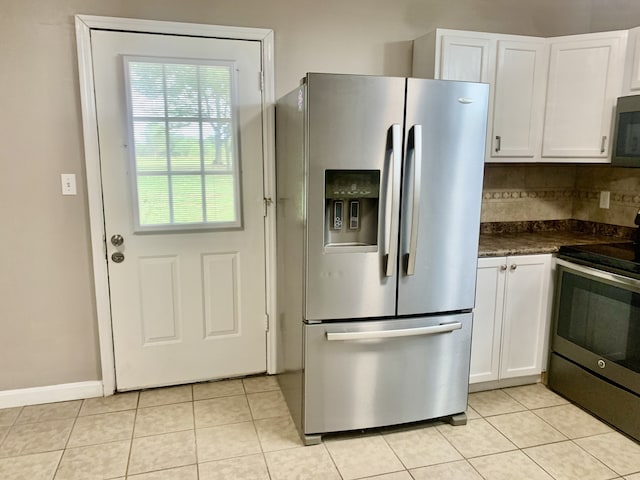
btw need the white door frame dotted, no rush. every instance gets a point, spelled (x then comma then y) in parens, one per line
(84, 25)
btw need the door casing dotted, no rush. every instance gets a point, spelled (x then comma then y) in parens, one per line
(84, 24)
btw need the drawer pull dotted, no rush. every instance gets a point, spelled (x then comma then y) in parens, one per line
(405, 332)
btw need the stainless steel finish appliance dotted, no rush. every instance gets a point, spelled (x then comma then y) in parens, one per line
(626, 145)
(379, 190)
(595, 359)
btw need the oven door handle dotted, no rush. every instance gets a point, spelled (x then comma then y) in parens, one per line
(601, 274)
(405, 332)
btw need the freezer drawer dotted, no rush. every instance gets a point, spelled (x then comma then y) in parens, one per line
(374, 373)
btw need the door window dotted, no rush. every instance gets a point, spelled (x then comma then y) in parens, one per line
(184, 158)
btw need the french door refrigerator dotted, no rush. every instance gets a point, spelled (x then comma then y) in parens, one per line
(379, 183)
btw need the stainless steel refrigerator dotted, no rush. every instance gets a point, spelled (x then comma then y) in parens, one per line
(379, 183)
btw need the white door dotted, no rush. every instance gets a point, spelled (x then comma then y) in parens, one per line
(521, 74)
(585, 76)
(525, 315)
(486, 336)
(467, 59)
(182, 178)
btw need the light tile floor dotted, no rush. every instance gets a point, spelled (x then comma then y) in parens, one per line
(241, 429)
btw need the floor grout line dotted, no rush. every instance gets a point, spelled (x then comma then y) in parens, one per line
(271, 474)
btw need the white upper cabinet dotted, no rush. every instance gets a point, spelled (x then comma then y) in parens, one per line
(467, 59)
(518, 105)
(551, 100)
(585, 78)
(631, 82)
(514, 66)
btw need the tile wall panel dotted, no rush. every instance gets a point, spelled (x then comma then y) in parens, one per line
(558, 192)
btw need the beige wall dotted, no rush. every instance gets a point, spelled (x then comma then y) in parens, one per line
(47, 313)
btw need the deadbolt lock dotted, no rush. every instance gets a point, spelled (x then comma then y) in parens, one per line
(117, 257)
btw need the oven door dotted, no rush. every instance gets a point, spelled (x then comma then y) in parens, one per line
(597, 322)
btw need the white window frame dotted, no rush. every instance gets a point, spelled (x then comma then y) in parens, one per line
(84, 25)
(234, 172)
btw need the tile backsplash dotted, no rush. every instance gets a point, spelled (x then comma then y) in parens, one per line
(624, 185)
(558, 192)
(527, 192)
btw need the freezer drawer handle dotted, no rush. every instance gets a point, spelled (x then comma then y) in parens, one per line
(406, 332)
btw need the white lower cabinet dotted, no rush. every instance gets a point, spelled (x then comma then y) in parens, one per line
(510, 318)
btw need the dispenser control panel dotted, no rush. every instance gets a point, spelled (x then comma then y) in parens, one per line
(351, 208)
(337, 214)
(352, 184)
(354, 214)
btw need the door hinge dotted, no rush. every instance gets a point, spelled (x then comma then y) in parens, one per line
(267, 203)
(266, 322)
(261, 80)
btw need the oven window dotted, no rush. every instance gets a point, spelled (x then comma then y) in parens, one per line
(600, 317)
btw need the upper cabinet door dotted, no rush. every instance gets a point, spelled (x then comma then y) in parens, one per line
(467, 59)
(585, 78)
(519, 99)
(631, 82)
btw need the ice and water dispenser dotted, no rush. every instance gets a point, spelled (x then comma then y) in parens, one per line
(351, 210)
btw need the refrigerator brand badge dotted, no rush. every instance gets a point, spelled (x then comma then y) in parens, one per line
(300, 100)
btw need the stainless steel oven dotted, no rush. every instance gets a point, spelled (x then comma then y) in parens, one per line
(595, 359)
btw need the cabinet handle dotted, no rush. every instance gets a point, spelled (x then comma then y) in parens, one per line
(604, 140)
(498, 143)
(503, 268)
(513, 267)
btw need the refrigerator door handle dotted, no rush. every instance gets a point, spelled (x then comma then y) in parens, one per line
(391, 217)
(415, 204)
(405, 332)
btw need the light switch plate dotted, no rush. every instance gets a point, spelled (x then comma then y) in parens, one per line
(68, 183)
(605, 197)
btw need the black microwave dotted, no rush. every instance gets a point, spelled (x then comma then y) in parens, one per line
(626, 145)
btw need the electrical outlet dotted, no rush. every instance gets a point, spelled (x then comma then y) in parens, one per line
(604, 199)
(68, 183)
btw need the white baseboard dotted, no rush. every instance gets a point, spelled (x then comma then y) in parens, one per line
(504, 383)
(50, 393)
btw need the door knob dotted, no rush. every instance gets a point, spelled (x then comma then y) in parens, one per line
(514, 266)
(117, 240)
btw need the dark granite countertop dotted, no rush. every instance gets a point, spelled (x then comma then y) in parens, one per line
(499, 239)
